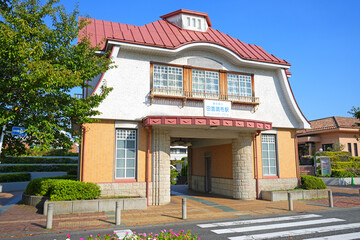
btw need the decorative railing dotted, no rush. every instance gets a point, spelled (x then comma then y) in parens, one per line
(170, 93)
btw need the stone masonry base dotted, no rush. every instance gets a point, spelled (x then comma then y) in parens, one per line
(126, 189)
(222, 186)
(277, 184)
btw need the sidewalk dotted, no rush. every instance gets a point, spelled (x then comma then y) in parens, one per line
(19, 219)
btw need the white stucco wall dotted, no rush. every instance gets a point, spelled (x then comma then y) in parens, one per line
(131, 82)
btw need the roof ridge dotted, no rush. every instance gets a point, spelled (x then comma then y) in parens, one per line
(336, 122)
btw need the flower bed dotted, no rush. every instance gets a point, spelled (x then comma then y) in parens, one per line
(169, 235)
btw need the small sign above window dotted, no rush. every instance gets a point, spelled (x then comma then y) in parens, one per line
(217, 108)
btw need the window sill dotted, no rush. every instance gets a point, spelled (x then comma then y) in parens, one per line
(270, 177)
(125, 180)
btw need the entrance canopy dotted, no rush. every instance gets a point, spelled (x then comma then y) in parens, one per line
(206, 121)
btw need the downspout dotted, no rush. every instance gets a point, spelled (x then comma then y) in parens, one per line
(83, 154)
(297, 159)
(148, 164)
(257, 167)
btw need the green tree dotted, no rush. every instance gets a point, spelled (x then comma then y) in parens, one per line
(39, 66)
(356, 113)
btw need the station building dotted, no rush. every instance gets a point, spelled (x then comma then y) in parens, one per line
(180, 80)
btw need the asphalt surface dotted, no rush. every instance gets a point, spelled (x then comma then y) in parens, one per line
(262, 226)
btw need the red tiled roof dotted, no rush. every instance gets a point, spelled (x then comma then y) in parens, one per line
(331, 123)
(287, 72)
(164, 34)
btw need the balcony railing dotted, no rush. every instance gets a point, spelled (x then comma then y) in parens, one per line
(181, 94)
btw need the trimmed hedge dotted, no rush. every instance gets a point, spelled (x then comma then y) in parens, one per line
(32, 160)
(15, 177)
(342, 165)
(67, 190)
(38, 168)
(39, 186)
(311, 182)
(58, 189)
(330, 154)
(342, 173)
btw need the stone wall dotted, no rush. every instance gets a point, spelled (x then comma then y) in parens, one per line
(243, 180)
(277, 184)
(160, 168)
(222, 186)
(126, 189)
(198, 183)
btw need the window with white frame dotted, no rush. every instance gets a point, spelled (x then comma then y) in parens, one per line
(205, 82)
(125, 166)
(167, 77)
(239, 85)
(269, 162)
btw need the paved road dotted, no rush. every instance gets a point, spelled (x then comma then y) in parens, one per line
(332, 224)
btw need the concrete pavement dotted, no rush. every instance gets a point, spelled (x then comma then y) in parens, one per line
(19, 219)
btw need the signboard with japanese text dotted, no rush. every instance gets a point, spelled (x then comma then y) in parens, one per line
(325, 166)
(18, 131)
(214, 108)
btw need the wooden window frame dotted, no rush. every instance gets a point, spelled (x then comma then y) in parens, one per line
(187, 84)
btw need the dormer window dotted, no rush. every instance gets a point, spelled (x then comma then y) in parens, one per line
(189, 20)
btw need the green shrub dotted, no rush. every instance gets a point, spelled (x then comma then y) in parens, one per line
(64, 190)
(37, 168)
(72, 171)
(339, 153)
(342, 173)
(15, 177)
(173, 176)
(60, 152)
(33, 160)
(343, 165)
(311, 182)
(69, 176)
(355, 159)
(41, 186)
(184, 170)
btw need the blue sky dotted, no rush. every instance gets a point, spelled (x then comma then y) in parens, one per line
(320, 38)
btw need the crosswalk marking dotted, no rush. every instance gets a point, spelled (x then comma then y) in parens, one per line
(278, 225)
(348, 236)
(291, 233)
(264, 220)
(122, 233)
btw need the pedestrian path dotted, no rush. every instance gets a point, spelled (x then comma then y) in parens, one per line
(204, 201)
(288, 226)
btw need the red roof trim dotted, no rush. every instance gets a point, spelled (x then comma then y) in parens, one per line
(201, 14)
(206, 121)
(292, 93)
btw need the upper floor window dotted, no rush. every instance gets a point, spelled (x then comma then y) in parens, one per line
(239, 85)
(168, 77)
(188, 82)
(205, 82)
